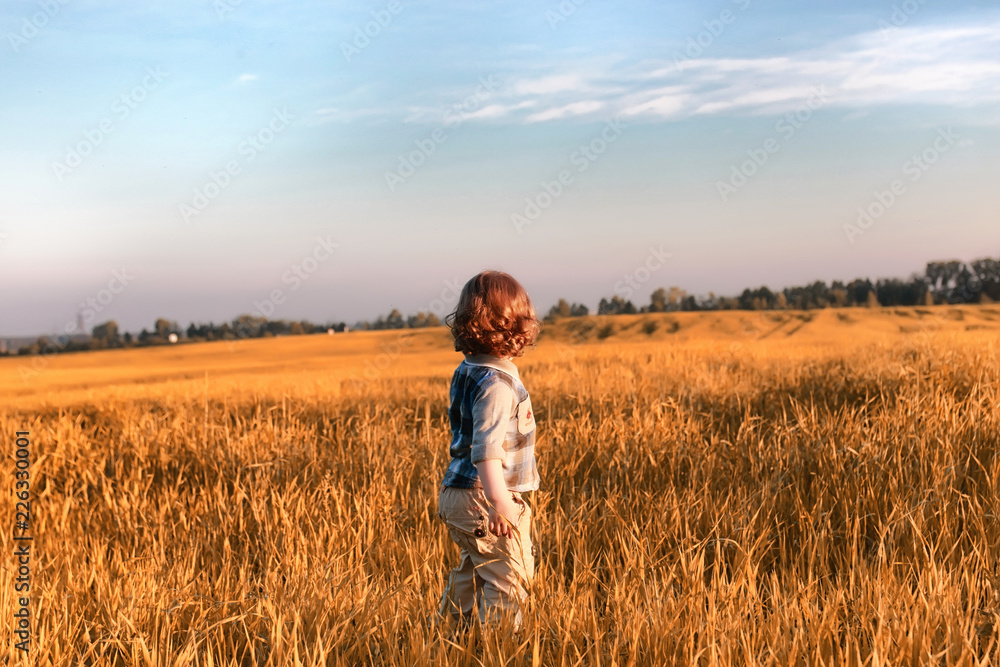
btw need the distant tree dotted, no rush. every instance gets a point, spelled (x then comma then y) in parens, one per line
(888, 292)
(761, 298)
(953, 271)
(248, 326)
(838, 294)
(658, 301)
(275, 328)
(935, 275)
(967, 286)
(675, 295)
(987, 273)
(127, 338)
(163, 327)
(858, 290)
(394, 320)
(949, 280)
(561, 309)
(727, 303)
(42, 345)
(617, 305)
(690, 303)
(895, 292)
(422, 320)
(818, 295)
(106, 335)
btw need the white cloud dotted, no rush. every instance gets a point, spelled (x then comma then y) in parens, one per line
(664, 106)
(572, 109)
(338, 115)
(246, 78)
(549, 85)
(954, 66)
(498, 110)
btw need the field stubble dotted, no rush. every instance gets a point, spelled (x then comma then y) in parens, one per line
(701, 504)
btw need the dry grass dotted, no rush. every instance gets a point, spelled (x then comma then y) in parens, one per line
(715, 499)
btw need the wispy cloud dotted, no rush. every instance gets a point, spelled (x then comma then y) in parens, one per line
(339, 115)
(246, 78)
(549, 85)
(571, 109)
(920, 65)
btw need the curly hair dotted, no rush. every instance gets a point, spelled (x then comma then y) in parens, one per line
(494, 316)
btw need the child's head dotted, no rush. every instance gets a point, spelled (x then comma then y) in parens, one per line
(494, 316)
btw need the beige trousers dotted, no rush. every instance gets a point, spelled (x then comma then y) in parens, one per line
(495, 572)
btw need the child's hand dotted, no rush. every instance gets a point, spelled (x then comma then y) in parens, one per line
(505, 513)
(504, 517)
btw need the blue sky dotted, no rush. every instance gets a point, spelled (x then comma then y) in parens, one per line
(235, 155)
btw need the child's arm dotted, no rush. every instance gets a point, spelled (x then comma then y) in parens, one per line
(491, 414)
(503, 510)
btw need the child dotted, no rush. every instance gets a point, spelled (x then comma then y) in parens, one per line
(492, 451)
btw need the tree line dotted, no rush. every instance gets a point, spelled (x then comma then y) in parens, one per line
(948, 282)
(108, 336)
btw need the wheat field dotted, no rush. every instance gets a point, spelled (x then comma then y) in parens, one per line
(717, 489)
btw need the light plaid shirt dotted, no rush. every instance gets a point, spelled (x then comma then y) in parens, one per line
(491, 418)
